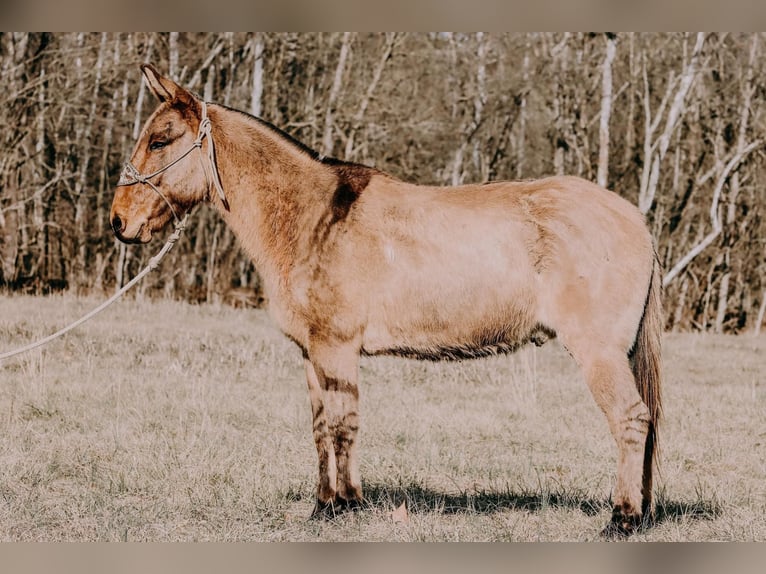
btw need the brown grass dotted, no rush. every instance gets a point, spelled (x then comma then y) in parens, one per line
(164, 421)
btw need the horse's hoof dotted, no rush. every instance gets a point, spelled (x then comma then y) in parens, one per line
(349, 505)
(333, 508)
(323, 510)
(621, 525)
(616, 531)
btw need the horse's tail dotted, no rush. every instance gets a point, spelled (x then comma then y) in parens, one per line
(646, 364)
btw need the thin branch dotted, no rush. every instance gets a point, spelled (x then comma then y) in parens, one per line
(715, 217)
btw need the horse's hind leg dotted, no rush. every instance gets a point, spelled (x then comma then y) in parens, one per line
(332, 380)
(611, 381)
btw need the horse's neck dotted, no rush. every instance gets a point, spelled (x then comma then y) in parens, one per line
(274, 189)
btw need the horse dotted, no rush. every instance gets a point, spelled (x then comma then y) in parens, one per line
(356, 262)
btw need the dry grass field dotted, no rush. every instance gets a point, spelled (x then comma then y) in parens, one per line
(163, 421)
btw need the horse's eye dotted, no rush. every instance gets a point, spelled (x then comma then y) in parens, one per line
(157, 145)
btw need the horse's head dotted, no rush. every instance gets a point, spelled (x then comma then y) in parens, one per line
(167, 172)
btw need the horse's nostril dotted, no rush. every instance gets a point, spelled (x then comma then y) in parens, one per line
(117, 224)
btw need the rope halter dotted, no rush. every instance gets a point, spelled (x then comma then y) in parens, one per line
(131, 176)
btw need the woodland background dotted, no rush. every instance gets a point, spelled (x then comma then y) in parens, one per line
(673, 122)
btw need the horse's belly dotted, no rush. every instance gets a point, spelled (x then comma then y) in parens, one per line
(453, 322)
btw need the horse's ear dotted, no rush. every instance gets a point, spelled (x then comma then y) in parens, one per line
(165, 89)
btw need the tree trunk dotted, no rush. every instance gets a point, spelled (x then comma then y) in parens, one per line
(522, 138)
(256, 95)
(761, 312)
(606, 110)
(329, 126)
(479, 100)
(142, 93)
(173, 56)
(211, 265)
(560, 56)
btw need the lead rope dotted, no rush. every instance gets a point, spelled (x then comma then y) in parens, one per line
(151, 266)
(205, 129)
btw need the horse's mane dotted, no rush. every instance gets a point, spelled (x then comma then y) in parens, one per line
(312, 153)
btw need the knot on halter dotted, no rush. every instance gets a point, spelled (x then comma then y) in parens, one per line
(205, 129)
(204, 126)
(131, 176)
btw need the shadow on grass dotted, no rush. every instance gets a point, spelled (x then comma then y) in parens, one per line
(675, 511)
(424, 500)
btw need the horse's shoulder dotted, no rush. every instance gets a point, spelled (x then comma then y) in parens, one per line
(352, 180)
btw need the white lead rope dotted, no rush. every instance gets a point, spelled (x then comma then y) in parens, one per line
(151, 266)
(205, 129)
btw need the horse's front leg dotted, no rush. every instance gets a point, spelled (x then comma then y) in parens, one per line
(331, 373)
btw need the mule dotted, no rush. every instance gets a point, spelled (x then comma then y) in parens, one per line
(357, 262)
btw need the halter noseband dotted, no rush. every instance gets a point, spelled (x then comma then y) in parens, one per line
(131, 176)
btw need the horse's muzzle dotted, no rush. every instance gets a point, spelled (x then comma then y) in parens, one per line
(119, 227)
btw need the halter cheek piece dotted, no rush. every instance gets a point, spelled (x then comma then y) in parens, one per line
(131, 176)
